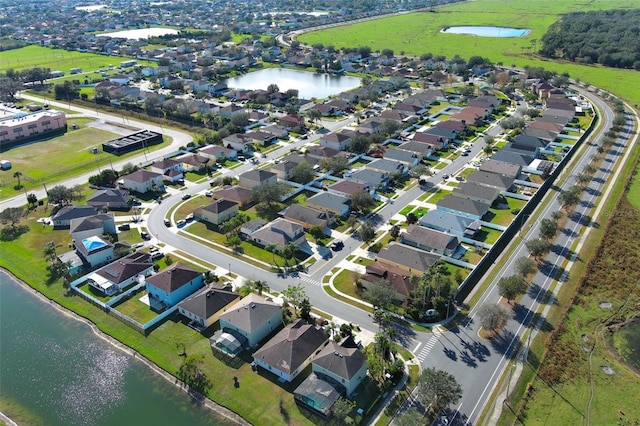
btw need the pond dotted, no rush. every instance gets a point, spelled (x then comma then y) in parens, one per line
(309, 84)
(487, 31)
(142, 33)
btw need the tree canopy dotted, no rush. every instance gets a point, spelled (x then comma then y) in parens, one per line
(437, 389)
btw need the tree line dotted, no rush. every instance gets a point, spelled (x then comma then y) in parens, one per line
(610, 38)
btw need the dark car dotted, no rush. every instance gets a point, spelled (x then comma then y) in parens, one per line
(124, 227)
(167, 222)
(186, 196)
(337, 245)
(145, 236)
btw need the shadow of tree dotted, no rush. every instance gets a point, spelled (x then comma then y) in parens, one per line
(12, 233)
(505, 343)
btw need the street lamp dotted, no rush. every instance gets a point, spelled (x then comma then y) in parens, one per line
(229, 268)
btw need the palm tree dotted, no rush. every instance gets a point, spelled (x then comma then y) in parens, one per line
(273, 249)
(18, 175)
(261, 286)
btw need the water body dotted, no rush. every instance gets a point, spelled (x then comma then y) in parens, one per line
(55, 371)
(91, 8)
(143, 33)
(309, 84)
(488, 31)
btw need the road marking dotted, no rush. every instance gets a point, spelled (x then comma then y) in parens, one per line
(308, 279)
(429, 345)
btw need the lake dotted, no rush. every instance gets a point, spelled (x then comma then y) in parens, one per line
(309, 84)
(56, 371)
(487, 31)
(142, 33)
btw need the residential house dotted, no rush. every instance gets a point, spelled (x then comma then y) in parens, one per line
(430, 240)
(434, 141)
(173, 284)
(476, 192)
(260, 138)
(142, 181)
(292, 120)
(486, 102)
(308, 217)
(205, 307)
(518, 158)
(460, 226)
(253, 317)
(280, 232)
(336, 141)
(462, 207)
(321, 152)
(374, 179)
(288, 352)
(237, 194)
(238, 142)
(409, 159)
(371, 125)
(118, 275)
(456, 126)
(283, 169)
(218, 153)
(89, 226)
(329, 202)
(216, 212)
(448, 135)
(170, 168)
(423, 150)
(388, 167)
(346, 188)
(232, 110)
(248, 228)
(502, 168)
(491, 180)
(341, 364)
(276, 131)
(193, 162)
(94, 251)
(399, 279)
(252, 178)
(114, 199)
(410, 259)
(63, 217)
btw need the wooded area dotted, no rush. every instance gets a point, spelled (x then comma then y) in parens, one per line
(610, 38)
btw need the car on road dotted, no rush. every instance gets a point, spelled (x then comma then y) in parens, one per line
(465, 154)
(337, 245)
(445, 177)
(186, 196)
(209, 193)
(167, 222)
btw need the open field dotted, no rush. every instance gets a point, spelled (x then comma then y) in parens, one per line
(414, 34)
(59, 60)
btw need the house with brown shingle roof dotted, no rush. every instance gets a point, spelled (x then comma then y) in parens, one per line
(288, 353)
(253, 178)
(410, 259)
(205, 307)
(430, 240)
(237, 194)
(399, 279)
(308, 217)
(216, 212)
(173, 284)
(342, 364)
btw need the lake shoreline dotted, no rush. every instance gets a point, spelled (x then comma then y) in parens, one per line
(206, 402)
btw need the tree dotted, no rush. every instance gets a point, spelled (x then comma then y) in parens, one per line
(583, 179)
(314, 115)
(302, 173)
(32, 199)
(12, 215)
(394, 231)
(261, 286)
(548, 228)
(537, 248)
(511, 287)
(9, 88)
(190, 372)
(289, 252)
(317, 232)
(367, 232)
(269, 193)
(49, 251)
(570, 197)
(487, 150)
(342, 408)
(380, 294)
(18, 175)
(362, 202)
(305, 309)
(556, 215)
(273, 249)
(359, 145)
(524, 266)
(493, 317)
(234, 241)
(273, 88)
(437, 389)
(294, 294)
(60, 194)
(411, 417)
(335, 164)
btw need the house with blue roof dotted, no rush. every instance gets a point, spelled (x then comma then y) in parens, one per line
(95, 251)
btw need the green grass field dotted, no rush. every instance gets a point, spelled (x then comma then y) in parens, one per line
(59, 60)
(414, 34)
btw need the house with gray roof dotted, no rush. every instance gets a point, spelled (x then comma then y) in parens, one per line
(421, 149)
(110, 198)
(411, 259)
(288, 352)
(502, 168)
(173, 284)
(430, 240)
(450, 223)
(116, 276)
(237, 194)
(63, 217)
(375, 179)
(84, 227)
(279, 232)
(543, 135)
(442, 132)
(283, 169)
(308, 217)
(477, 192)
(346, 188)
(518, 158)
(253, 178)
(462, 207)
(253, 317)
(205, 307)
(218, 153)
(342, 364)
(143, 181)
(337, 141)
(409, 159)
(491, 180)
(389, 167)
(329, 202)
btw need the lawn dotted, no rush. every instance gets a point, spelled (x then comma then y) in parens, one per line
(135, 309)
(345, 283)
(59, 60)
(417, 33)
(487, 235)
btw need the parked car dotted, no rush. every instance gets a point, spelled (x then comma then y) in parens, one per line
(145, 236)
(124, 227)
(209, 193)
(181, 223)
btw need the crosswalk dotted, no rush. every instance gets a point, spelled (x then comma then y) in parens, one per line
(307, 279)
(424, 352)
